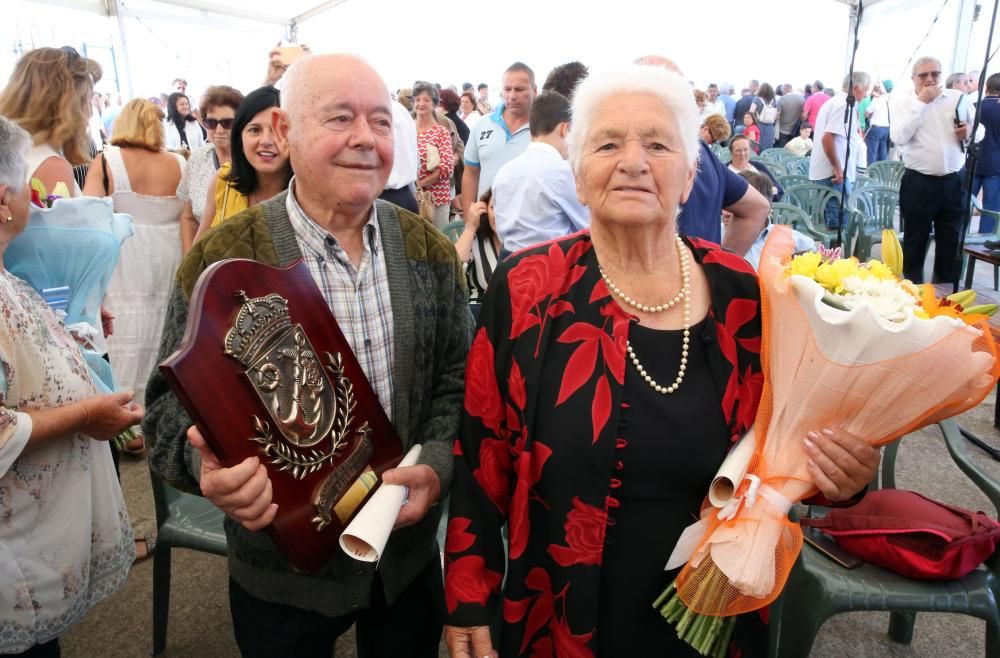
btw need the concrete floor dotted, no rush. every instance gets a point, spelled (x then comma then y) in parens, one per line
(121, 627)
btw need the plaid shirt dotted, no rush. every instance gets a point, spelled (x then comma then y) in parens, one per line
(359, 298)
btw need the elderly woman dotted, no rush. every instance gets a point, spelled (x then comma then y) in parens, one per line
(611, 372)
(218, 109)
(437, 157)
(65, 537)
(740, 149)
(182, 129)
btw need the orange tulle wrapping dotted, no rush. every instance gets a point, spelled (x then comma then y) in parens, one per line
(825, 368)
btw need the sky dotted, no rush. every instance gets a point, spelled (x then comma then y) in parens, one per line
(454, 41)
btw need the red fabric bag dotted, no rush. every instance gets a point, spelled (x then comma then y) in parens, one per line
(912, 535)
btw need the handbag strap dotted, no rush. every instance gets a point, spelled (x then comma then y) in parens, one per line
(104, 170)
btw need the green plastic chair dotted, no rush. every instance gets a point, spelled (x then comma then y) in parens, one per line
(776, 153)
(797, 218)
(886, 172)
(818, 588)
(813, 198)
(788, 180)
(776, 167)
(725, 157)
(861, 180)
(871, 209)
(183, 521)
(453, 230)
(797, 164)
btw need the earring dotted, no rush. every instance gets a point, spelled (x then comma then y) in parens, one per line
(6, 217)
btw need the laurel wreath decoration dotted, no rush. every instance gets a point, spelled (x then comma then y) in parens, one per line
(287, 458)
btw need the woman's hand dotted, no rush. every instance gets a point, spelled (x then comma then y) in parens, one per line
(107, 322)
(840, 463)
(107, 416)
(469, 642)
(476, 211)
(430, 179)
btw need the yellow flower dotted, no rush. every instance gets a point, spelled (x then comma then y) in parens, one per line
(880, 270)
(831, 275)
(806, 264)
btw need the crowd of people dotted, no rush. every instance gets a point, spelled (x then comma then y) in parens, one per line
(589, 218)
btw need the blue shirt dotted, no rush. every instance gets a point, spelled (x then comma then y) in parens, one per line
(715, 188)
(989, 154)
(492, 145)
(534, 199)
(730, 104)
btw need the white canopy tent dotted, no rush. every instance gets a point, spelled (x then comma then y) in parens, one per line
(143, 44)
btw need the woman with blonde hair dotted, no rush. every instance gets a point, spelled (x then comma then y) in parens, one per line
(141, 178)
(49, 95)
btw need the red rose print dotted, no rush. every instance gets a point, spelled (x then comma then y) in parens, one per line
(585, 526)
(482, 396)
(529, 472)
(458, 540)
(528, 286)
(568, 645)
(494, 471)
(538, 608)
(515, 387)
(467, 580)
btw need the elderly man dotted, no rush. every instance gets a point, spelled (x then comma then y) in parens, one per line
(789, 114)
(834, 127)
(499, 137)
(393, 284)
(930, 127)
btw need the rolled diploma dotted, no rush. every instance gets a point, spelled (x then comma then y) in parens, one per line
(366, 535)
(731, 473)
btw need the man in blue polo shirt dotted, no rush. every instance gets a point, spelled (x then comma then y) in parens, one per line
(499, 137)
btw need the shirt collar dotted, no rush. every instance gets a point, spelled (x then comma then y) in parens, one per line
(317, 239)
(544, 148)
(497, 118)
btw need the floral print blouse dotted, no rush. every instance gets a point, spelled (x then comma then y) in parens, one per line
(538, 437)
(65, 537)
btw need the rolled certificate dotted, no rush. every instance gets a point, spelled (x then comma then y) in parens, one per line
(365, 537)
(731, 473)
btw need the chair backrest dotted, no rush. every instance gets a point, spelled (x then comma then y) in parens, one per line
(725, 157)
(797, 165)
(163, 496)
(453, 230)
(797, 218)
(788, 180)
(776, 167)
(887, 172)
(778, 154)
(811, 197)
(877, 205)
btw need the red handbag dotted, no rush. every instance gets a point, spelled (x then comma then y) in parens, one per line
(912, 535)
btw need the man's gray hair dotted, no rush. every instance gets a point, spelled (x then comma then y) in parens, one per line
(14, 145)
(924, 60)
(859, 78)
(290, 84)
(599, 87)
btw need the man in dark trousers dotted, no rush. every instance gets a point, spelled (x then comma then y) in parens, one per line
(931, 127)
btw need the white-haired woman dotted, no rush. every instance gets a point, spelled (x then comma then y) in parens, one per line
(65, 538)
(611, 372)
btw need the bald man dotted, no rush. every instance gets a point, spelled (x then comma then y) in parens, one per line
(717, 188)
(394, 284)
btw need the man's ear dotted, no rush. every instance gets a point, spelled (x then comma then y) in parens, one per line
(564, 129)
(6, 197)
(279, 124)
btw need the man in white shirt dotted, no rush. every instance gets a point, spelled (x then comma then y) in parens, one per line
(931, 127)
(877, 113)
(399, 188)
(714, 105)
(826, 164)
(534, 195)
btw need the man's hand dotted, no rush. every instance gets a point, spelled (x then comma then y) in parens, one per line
(927, 94)
(840, 463)
(470, 642)
(962, 131)
(243, 491)
(424, 491)
(838, 176)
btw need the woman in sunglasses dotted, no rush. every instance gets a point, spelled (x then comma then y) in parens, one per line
(218, 109)
(260, 167)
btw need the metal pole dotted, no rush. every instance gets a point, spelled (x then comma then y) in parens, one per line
(849, 120)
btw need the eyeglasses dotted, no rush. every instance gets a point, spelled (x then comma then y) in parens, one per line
(226, 124)
(926, 74)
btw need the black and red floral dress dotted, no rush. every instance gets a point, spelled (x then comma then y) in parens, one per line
(595, 474)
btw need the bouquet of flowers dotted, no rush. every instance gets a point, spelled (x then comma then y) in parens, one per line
(845, 344)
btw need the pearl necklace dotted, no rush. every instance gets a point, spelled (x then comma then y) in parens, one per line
(642, 307)
(684, 294)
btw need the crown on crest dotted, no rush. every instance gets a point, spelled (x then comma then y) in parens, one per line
(259, 320)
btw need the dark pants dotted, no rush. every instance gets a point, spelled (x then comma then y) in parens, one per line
(402, 197)
(783, 139)
(48, 650)
(877, 142)
(926, 202)
(409, 628)
(990, 185)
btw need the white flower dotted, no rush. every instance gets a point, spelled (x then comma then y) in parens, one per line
(886, 297)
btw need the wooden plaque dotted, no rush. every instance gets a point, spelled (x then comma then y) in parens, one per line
(264, 370)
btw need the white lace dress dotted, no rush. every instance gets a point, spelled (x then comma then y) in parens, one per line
(140, 287)
(65, 538)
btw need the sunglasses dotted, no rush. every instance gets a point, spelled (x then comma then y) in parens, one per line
(226, 124)
(926, 74)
